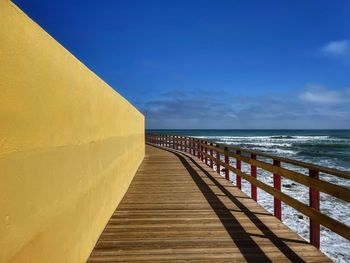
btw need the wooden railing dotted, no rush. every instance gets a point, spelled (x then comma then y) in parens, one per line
(210, 153)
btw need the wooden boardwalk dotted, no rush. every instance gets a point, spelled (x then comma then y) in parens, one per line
(178, 210)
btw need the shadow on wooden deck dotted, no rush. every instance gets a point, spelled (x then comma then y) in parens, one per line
(239, 236)
(178, 209)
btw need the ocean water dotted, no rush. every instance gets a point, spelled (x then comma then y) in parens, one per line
(330, 148)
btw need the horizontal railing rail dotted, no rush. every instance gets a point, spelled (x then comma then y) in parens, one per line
(210, 153)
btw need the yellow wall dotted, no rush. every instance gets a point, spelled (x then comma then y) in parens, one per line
(69, 147)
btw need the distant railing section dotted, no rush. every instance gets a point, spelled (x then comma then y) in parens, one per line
(210, 153)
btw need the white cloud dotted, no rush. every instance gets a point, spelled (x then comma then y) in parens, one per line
(337, 48)
(322, 95)
(315, 107)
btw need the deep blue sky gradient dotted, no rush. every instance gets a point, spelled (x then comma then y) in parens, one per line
(214, 64)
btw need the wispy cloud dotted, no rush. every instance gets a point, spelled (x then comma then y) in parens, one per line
(314, 107)
(337, 49)
(321, 95)
(176, 109)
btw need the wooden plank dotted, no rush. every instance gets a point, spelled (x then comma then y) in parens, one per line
(334, 225)
(322, 169)
(337, 191)
(177, 209)
(340, 192)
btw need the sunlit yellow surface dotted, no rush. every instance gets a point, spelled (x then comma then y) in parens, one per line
(69, 147)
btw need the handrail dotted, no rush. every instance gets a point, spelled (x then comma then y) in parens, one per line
(322, 169)
(205, 150)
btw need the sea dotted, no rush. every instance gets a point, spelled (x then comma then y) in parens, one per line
(330, 148)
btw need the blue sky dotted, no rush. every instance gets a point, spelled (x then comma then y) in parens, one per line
(214, 64)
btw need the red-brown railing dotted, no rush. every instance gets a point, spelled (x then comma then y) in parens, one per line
(204, 150)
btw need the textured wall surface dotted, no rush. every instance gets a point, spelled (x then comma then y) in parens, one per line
(69, 147)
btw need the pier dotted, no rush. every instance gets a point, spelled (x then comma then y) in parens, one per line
(179, 208)
(81, 182)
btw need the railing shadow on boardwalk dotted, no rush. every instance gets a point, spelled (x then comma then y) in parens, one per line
(243, 240)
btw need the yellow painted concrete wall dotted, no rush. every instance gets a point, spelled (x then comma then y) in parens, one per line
(69, 147)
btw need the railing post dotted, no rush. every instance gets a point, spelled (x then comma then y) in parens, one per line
(173, 141)
(314, 203)
(227, 161)
(211, 155)
(194, 147)
(277, 204)
(202, 155)
(218, 159)
(238, 167)
(190, 142)
(253, 174)
(206, 152)
(187, 145)
(185, 142)
(198, 149)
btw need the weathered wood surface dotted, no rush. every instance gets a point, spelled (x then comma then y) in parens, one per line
(178, 210)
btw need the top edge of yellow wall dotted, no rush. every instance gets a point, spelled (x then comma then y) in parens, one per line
(20, 11)
(49, 97)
